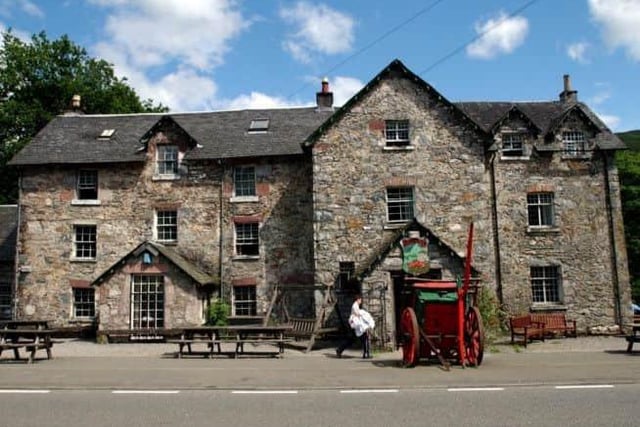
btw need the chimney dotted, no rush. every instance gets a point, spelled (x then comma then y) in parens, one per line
(568, 95)
(74, 106)
(324, 98)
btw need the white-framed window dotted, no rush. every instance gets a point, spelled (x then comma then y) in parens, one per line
(247, 239)
(167, 160)
(244, 181)
(244, 301)
(5, 299)
(167, 226)
(84, 304)
(147, 301)
(400, 204)
(545, 284)
(573, 143)
(84, 242)
(396, 132)
(512, 144)
(87, 185)
(540, 209)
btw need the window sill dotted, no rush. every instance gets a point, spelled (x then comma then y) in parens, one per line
(82, 320)
(246, 258)
(395, 225)
(174, 177)
(167, 242)
(87, 260)
(576, 156)
(85, 202)
(547, 306)
(244, 199)
(543, 230)
(407, 147)
(515, 158)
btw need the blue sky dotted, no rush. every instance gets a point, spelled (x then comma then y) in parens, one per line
(195, 55)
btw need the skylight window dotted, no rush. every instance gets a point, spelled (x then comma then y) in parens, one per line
(259, 125)
(107, 133)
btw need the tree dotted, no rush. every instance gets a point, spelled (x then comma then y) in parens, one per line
(38, 79)
(629, 169)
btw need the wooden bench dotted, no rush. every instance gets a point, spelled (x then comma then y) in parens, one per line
(527, 328)
(12, 346)
(556, 324)
(634, 335)
(303, 328)
(135, 334)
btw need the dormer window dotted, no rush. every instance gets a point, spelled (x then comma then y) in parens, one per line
(512, 144)
(396, 132)
(573, 143)
(107, 134)
(259, 126)
(167, 160)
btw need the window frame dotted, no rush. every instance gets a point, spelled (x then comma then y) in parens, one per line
(546, 284)
(247, 306)
(91, 187)
(83, 243)
(6, 294)
(84, 301)
(404, 205)
(397, 133)
(512, 152)
(164, 228)
(574, 143)
(247, 241)
(541, 210)
(163, 167)
(244, 176)
(143, 306)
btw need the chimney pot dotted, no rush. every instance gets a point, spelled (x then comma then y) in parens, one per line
(75, 102)
(568, 94)
(324, 98)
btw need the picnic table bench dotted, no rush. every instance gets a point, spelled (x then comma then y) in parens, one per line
(213, 337)
(31, 335)
(634, 333)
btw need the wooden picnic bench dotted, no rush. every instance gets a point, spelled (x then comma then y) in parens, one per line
(135, 334)
(634, 333)
(556, 323)
(526, 327)
(15, 337)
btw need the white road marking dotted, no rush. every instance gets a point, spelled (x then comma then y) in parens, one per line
(145, 392)
(383, 390)
(476, 389)
(7, 391)
(569, 387)
(264, 392)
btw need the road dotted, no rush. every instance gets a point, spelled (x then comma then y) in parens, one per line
(607, 405)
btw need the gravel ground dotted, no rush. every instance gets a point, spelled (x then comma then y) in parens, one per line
(85, 348)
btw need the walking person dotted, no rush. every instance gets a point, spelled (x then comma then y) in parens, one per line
(362, 323)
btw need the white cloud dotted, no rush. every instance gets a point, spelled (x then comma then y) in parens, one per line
(611, 121)
(31, 9)
(578, 51)
(344, 88)
(498, 35)
(619, 22)
(258, 100)
(8, 6)
(318, 28)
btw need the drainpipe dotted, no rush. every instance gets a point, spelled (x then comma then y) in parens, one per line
(16, 257)
(612, 242)
(221, 226)
(496, 233)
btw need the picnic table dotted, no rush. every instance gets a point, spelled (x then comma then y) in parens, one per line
(634, 333)
(31, 335)
(213, 337)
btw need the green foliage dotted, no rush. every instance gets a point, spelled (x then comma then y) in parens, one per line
(492, 314)
(38, 79)
(628, 163)
(218, 313)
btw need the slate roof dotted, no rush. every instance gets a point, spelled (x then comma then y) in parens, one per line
(223, 134)
(8, 232)
(171, 254)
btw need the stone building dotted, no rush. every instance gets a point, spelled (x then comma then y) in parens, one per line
(8, 228)
(138, 220)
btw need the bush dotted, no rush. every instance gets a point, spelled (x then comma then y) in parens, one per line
(218, 313)
(492, 314)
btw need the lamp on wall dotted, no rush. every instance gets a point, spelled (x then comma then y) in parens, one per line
(147, 258)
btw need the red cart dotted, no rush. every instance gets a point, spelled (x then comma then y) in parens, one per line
(442, 320)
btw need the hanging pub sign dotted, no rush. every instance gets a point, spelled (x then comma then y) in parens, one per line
(415, 254)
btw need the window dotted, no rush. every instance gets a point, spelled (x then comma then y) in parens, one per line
(512, 144)
(346, 277)
(5, 299)
(85, 242)
(87, 185)
(244, 181)
(259, 126)
(247, 241)
(167, 160)
(545, 284)
(396, 132)
(540, 206)
(84, 302)
(573, 143)
(399, 204)
(167, 226)
(147, 301)
(244, 301)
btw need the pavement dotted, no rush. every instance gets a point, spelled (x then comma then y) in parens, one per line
(79, 364)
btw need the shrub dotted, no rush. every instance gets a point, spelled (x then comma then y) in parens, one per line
(218, 313)
(492, 314)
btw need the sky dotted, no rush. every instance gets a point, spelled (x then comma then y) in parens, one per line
(203, 55)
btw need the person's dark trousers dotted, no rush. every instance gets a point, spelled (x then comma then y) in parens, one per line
(366, 345)
(346, 342)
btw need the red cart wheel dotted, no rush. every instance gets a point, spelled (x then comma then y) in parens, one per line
(410, 337)
(474, 337)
